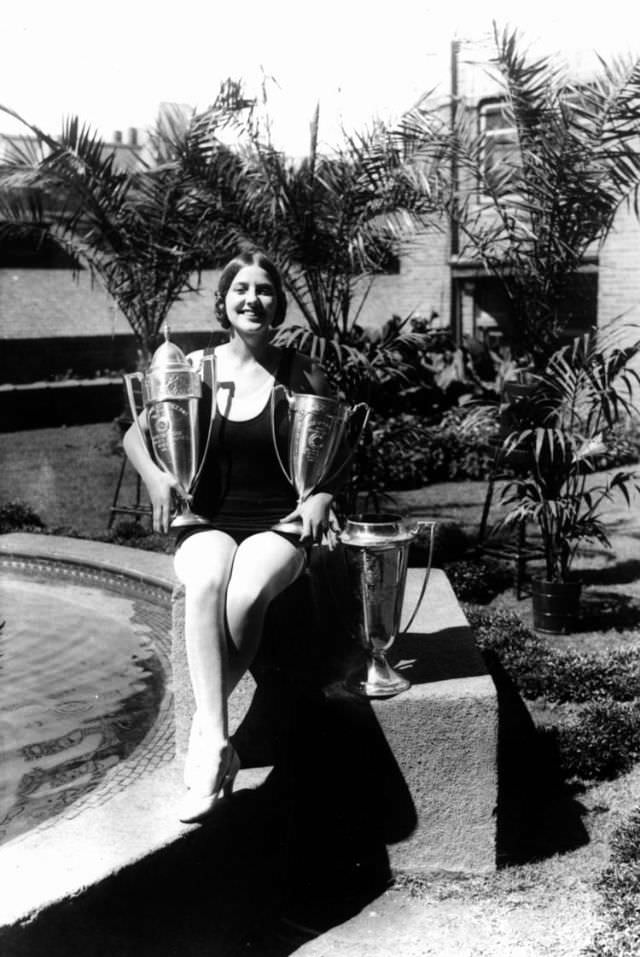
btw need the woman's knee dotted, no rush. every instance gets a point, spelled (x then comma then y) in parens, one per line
(205, 588)
(254, 586)
(203, 563)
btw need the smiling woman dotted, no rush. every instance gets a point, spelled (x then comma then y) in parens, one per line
(250, 543)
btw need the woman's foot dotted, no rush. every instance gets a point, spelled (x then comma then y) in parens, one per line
(209, 776)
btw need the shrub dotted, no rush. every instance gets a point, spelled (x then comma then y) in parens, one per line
(540, 671)
(601, 742)
(406, 451)
(477, 582)
(602, 738)
(619, 887)
(16, 516)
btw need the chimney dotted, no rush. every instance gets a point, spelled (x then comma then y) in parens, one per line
(117, 136)
(132, 136)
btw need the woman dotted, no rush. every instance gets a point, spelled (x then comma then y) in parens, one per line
(235, 566)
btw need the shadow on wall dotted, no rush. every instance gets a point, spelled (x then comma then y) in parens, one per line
(538, 815)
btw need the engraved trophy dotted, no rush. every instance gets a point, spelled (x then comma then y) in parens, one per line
(376, 553)
(171, 390)
(318, 428)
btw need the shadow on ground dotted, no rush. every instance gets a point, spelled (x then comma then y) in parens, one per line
(538, 815)
(272, 868)
(619, 573)
(603, 611)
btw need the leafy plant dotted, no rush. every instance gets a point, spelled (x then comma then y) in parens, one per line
(602, 741)
(140, 230)
(584, 392)
(477, 581)
(531, 215)
(331, 220)
(17, 516)
(559, 676)
(619, 887)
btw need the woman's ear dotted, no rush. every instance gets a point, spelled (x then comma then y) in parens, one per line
(220, 311)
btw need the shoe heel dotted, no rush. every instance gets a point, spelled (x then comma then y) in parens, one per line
(230, 777)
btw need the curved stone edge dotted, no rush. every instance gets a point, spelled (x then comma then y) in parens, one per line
(40, 870)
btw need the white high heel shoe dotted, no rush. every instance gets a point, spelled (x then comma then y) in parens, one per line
(195, 805)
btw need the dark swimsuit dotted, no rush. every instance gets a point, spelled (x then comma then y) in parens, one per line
(242, 489)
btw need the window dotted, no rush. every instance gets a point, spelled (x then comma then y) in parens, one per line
(500, 144)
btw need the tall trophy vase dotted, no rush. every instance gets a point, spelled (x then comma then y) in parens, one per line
(376, 550)
(322, 436)
(171, 392)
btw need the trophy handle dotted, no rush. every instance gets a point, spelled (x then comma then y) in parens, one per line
(360, 408)
(421, 528)
(207, 362)
(129, 379)
(277, 390)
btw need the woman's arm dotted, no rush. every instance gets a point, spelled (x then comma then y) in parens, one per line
(158, 484)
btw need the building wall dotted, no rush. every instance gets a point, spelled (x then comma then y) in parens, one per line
(52, 322)
(619, 270)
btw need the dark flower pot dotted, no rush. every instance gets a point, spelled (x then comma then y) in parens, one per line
(556, 605)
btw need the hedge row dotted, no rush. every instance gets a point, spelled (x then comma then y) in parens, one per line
(602, 738)
(619, 887)
(407, 451)
(541, 671)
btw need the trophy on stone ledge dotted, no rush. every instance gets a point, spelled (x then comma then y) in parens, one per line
(321, 437)
(171, 390)
(376, 552)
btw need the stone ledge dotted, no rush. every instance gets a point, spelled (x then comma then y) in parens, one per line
(436, 743)
(430, 753)
(150, 567)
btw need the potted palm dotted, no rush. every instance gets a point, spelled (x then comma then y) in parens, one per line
(532, 214)
(585, 390)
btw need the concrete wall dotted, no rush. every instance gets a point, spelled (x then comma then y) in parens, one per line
(619, 270)
(52, 322)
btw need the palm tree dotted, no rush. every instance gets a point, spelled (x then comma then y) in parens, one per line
(332, 222)
(531, 216)
(138, 230)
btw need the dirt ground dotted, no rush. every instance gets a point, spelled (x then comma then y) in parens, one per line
(533, 907)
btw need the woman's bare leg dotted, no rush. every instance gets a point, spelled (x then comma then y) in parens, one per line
(203, 564)
(264, 565)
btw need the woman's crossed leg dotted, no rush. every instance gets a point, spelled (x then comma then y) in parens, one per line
(228, 588)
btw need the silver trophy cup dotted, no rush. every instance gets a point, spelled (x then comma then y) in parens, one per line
(376, 551)
(171, 391)
(323, 435)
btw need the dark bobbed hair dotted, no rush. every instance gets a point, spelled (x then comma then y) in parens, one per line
(249, 257)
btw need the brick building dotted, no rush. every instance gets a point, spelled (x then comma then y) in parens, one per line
(609, 281)
(51, 321)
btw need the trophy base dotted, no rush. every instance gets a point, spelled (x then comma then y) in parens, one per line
(377, 680)
(188, 518)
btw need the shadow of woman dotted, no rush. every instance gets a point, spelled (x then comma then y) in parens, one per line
(269, 870)
(538, 815)
(340, 793)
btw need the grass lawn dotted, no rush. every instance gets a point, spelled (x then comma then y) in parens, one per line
(544, 904)
(68, 475)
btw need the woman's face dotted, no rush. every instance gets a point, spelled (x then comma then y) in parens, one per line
(251, 301)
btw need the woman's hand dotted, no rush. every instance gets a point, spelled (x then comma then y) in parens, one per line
(160, 487)
(159, 484)
(315, 515)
